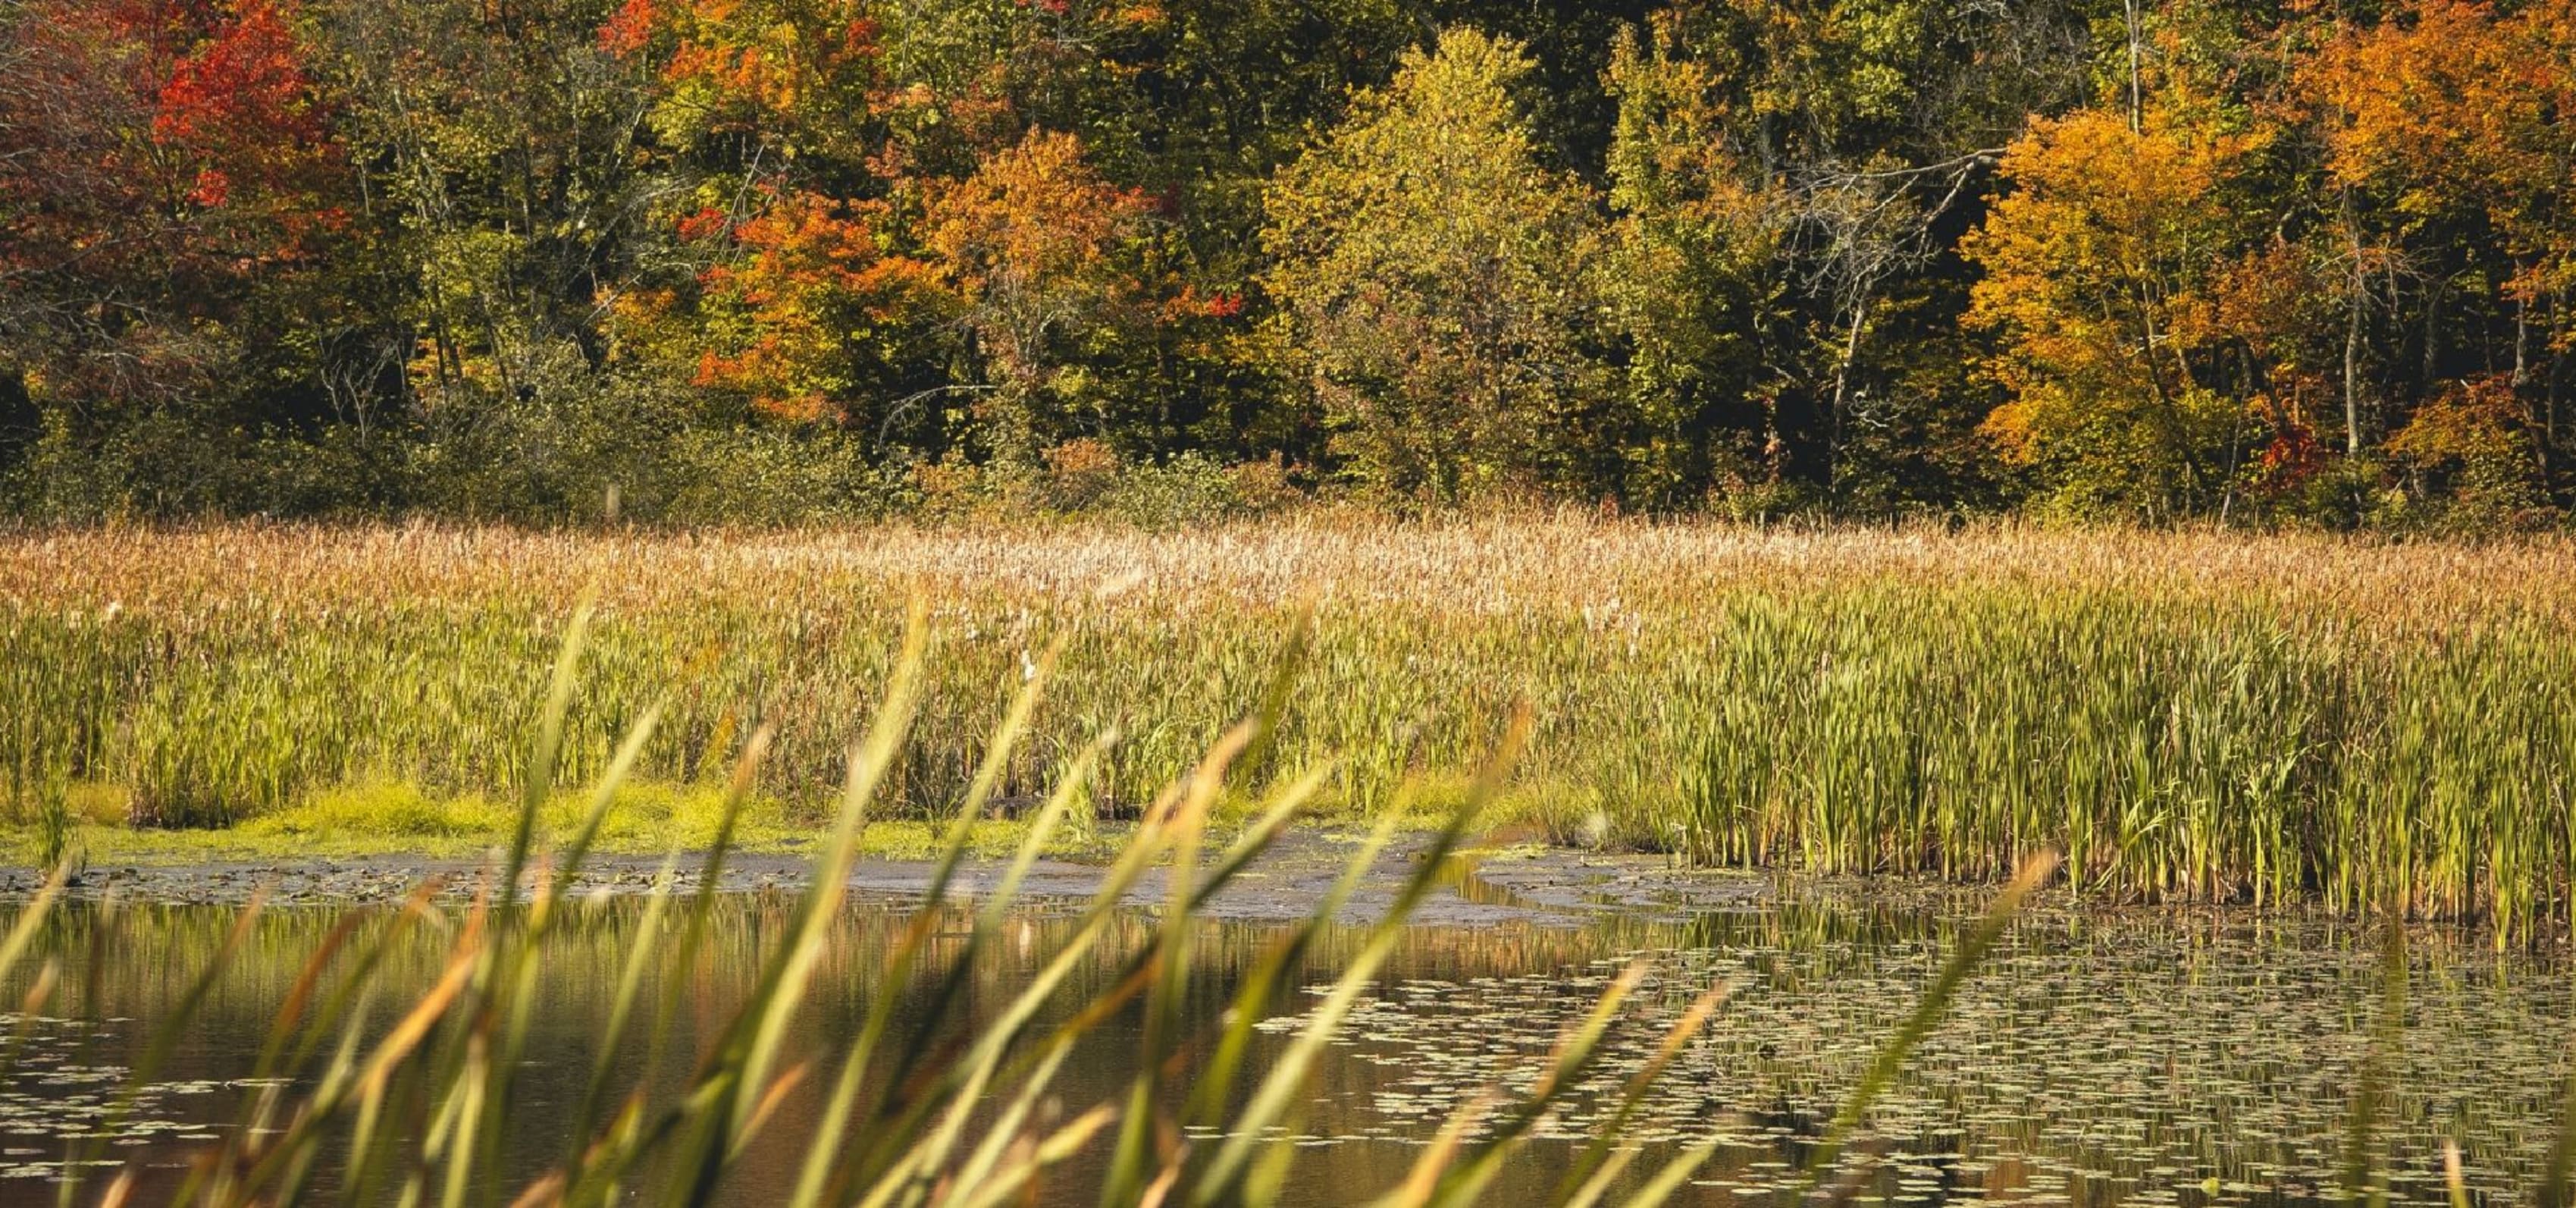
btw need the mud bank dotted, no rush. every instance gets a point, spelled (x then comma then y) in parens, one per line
(1523, 884)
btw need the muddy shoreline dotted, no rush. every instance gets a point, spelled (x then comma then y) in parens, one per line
(1546, 886)
(1522, 885)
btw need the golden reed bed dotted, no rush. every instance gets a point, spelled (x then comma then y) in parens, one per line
(1536, 563)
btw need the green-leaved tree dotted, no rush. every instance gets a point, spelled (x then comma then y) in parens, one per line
(1433, 283)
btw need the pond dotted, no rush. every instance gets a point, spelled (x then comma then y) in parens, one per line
(2128, 1058)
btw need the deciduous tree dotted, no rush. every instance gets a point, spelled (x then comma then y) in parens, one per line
(1434, 281)
(169, 187)
(2100, 265)
(1034, 246)
(801, 309)
(2444, 128)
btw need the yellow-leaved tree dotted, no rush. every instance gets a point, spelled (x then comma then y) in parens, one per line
(1433, 279)
(2103, 264)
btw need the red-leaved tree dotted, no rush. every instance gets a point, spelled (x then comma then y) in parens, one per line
(159, 160)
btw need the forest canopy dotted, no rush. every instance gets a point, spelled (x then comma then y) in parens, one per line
(2297, 262)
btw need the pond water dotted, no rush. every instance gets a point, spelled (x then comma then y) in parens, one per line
(2138, 1058)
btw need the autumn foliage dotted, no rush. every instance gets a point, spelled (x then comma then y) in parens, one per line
(1031, 245)
(164, 161)
(799, 304)
(2187, 259)
(2102, 267)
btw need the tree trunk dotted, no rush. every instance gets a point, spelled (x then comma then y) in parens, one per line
(2137, 96)
(2352, 336)
(2521, 344)
(2432, 368)
(1834, 428)
(2557, 362)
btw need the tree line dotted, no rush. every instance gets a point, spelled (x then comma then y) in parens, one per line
(2267, 261)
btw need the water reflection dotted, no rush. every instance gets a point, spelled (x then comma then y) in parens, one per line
(2142, 1059)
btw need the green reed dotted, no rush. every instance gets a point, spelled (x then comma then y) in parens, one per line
(2395, 725)
(362, 1096)
(357, 1101)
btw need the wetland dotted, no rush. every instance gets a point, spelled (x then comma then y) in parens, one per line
(1527, 862)
(2098, 1057)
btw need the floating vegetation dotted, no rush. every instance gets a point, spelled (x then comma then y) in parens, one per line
(56, 1101)
(2135, 1058)
(2091, 1062)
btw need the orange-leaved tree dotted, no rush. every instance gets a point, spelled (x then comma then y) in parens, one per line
(1035, 245)
(789, 75)
(801, 309)
(2446, 120)
(2100, 267)
(2472, 446)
